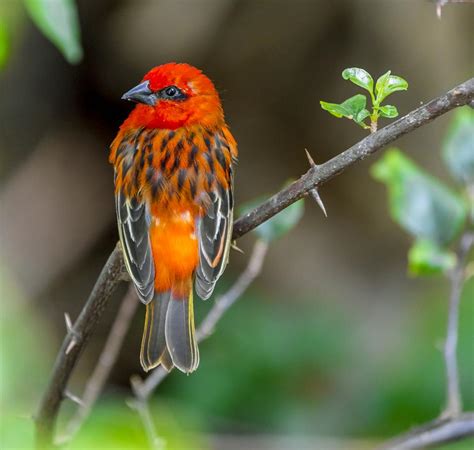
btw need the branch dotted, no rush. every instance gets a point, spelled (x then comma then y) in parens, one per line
(439, 431)
(317, 176)
(143, 409)
(105, 363)
(224, 302)
(112, 272)
(73, 344)
(453, 396)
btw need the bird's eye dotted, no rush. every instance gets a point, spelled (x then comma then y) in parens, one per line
(171, 91)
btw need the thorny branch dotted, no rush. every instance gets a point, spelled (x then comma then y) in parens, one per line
(112, 273)
(105, 363)
(73, 344)
(144, 389)
(317, 176)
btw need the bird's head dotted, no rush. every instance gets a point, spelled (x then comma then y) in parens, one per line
(175, 95)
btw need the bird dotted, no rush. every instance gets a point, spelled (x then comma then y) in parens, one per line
(173, 159)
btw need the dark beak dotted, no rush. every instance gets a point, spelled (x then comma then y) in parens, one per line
(141, 94)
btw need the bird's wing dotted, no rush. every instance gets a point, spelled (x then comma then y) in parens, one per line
(214, 235)
(133, 218)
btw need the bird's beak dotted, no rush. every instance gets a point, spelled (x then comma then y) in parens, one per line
(141, 94)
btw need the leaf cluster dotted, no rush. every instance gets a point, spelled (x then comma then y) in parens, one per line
(355, 108)
(433, 213)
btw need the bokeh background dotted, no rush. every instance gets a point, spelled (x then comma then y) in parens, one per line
(334, 346)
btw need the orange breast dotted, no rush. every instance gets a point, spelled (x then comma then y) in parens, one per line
(175, 249)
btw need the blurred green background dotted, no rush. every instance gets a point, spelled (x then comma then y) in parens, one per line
(334, 346)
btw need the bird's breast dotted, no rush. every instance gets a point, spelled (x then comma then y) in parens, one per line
(175, 247)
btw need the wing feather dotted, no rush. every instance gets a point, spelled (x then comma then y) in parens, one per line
(133, 218)
(214, 235)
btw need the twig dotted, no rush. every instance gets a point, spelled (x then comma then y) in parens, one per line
(143, 409)
(144, 388)
(224, 302)
(453, 396)
(315, 177)
(439, 431)
(105, 363)
(452, 424)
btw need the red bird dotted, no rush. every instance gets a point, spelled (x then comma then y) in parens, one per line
(173, 160)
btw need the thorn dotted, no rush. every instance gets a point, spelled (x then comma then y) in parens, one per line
(310, 159)
(233, 245)
(70, 346)
(68, 321)
(74, 398)
(70, 331)
(439, 7)
(314, 192)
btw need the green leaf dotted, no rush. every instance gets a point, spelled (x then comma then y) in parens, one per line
(58, 20)
(349, 108)
(354, 105)
(388, 111)
(278, 225)
(360, 77)
(362, 115)
(425, 257)
(458, 146)
(419, 203)
(335, 109)
(388, 84)
(4, 43)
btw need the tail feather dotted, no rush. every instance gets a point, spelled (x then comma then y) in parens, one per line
(154, 341)
(166, 361)
(169, 334)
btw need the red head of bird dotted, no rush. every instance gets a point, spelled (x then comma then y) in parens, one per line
(175, 95)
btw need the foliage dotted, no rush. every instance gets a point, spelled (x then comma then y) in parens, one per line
(458, 146)
(355, 108)
(419, 203)
(424, 206)
(58, 20)
(426, 258)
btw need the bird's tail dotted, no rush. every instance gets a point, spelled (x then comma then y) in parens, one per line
(169, 336)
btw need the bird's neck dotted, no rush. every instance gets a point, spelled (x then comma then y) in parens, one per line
(170, 118)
